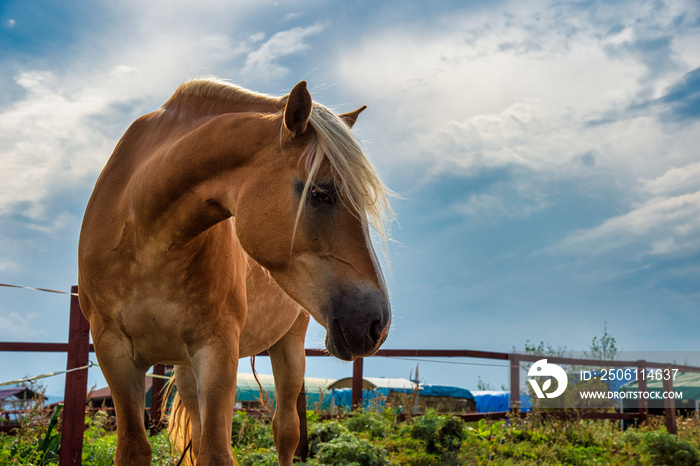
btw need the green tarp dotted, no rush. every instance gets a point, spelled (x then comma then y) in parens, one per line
(247, 388)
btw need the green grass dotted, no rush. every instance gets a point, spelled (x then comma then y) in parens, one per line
(372, 439)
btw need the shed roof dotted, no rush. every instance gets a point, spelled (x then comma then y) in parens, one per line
(247, 388)
(19, 393)
(371, 383)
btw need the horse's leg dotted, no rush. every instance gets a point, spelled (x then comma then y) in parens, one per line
(214, 367)
(288, 364)
(127, 385)
(187, 389)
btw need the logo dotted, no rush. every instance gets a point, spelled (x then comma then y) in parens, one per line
(544, 369)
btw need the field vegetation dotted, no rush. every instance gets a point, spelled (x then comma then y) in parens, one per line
(385, 437)
(374, 439)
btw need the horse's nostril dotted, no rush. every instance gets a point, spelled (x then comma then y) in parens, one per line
(375, 331)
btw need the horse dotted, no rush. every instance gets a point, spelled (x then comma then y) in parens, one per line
(221, 221)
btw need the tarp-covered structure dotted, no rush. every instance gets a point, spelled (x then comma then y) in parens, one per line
(379, 391)
(687, 383)
(496, 401)
(371, 383)
(248, 391)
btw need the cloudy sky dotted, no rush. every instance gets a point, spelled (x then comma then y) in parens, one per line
(546, 155)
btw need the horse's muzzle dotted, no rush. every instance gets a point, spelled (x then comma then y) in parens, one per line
(358, 323)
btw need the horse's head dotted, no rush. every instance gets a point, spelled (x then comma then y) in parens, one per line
(304, 213)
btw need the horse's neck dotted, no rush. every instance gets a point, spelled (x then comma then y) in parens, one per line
(188, 181)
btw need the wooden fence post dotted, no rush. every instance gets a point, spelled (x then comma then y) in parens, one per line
(75, 396)
(514, 382)
(357, 383)
(302, 450)
(669, 403)
(642, 387)
(157, 399)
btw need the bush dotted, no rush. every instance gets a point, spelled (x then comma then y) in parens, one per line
(259, 458)
(324, 433)
(664, 448)
(426, 428)
(369, 422)
(346, 449)
(439, 433)
(451, 433)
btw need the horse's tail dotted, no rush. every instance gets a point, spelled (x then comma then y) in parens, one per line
(179, 424)
(264, 397)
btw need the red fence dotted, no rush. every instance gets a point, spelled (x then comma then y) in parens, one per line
(79, 347)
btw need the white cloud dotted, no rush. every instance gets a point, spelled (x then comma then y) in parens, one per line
(526, 133)
(48, 142)
(530, 76)
(660, 226)
(675, 181)
(471, 64)
(7, 265)
(492, 206)
(542, 90)
(19, 326)
(57, 136)
(263, 63)
(663, 223)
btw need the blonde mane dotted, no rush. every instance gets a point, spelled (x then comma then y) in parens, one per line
(219, 89)
(359, 185)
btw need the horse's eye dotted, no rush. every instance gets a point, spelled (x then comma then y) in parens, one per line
(320, 195)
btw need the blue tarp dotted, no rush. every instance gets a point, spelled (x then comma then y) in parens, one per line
(342, 397)
(444, 390)
(495, 401)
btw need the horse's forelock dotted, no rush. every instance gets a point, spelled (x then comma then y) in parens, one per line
(359, 185)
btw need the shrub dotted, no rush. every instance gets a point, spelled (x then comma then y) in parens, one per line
(259, 458)
(323, 433)
(451, 433)
(664, 448)
(346, 449)
(426, 428)
(369, 422)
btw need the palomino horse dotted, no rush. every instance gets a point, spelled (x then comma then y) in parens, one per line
(210, 203)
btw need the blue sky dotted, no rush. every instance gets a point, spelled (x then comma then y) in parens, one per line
(546, 154)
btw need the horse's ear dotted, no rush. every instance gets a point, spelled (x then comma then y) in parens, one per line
(298, 109)
(351, 117)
